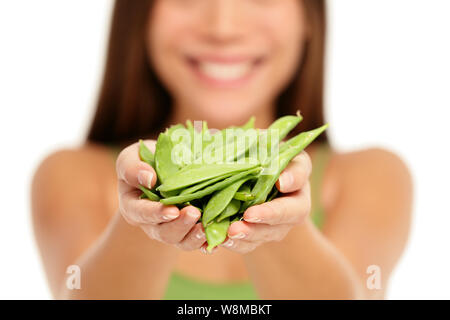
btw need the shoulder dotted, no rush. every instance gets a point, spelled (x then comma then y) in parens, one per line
(372, 181)
(70, 175)
(375, 167)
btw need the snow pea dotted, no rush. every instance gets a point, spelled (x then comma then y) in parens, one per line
(204, 184)
(284, 125)
(145, 154)
(216, 233)
(195, 173)
(230, 210)
(211, 189)
(250, 123)
(165, 168)
(272, 194)
(149, 194)
(220, 200)
(278, 130)
(293, 147)
(243, 196)
(244, 193)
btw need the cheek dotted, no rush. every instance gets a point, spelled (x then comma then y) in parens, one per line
(164, 34)
(287, 32)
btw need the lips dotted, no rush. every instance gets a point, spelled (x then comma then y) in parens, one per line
(225, 71)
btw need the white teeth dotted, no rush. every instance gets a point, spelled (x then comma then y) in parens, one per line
(225, 71)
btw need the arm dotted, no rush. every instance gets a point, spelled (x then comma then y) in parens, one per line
(367, 224)
(123, 264)
(121, 253)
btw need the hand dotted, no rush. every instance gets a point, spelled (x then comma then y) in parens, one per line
(271, 221)
(163, 223)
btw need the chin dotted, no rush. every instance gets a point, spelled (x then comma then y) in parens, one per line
(225, 112)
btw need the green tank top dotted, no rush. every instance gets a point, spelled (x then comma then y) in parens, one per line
(182, 287)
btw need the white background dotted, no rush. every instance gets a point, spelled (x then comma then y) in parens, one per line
(388, 85)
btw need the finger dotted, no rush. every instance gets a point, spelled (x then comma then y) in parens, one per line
(242, 230)
(132, 170)
(143, 211)
(291, 209)
(204, 247)
(240, 246)
(194, 239)
(296, 174)
(174, 231)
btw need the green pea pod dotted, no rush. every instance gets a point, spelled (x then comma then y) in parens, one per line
(243, 196)
(272, 194)
(220, 200)
(145, 154)
(148, 194)
(282, 127)
(216, 233)
(236, 218)
(245, 188)
(204, 184)
(295, 145)
(244, 193)
(193, 174)
(173, 128)
(230, 210)
(165, 168)
(250, 123)
(211, 189)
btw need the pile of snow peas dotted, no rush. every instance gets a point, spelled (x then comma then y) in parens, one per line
(222, 172)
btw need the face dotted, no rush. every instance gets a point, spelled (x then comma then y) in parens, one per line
(225, 60)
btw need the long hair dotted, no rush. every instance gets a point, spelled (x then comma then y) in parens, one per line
(133, 103)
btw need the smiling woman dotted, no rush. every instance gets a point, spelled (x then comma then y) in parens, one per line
(221, 61)
(172, 54)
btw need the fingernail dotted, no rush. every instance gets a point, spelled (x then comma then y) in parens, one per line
(203, 249)
(200, 235)
(169, 217)
(240, 235)
(228, 243)
(191, 214)
(145, 178)
(286, 179)
(171, 214)
(253, 219)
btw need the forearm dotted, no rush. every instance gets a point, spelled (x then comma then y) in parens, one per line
(303, 266)
(123, 263)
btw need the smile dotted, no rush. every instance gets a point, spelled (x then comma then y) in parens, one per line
(224, 71)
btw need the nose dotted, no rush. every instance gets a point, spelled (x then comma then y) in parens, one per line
(222, 21)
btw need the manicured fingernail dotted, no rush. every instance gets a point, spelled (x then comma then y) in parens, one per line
(240, 235)
(169, 217)
(228, 243)
(286, 179)
(191, 214)
(170, 214)
(200, 235)
(145, 178)
(253, 219)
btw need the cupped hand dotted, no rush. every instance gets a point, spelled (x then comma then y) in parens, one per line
(163, 223)
(271, 221)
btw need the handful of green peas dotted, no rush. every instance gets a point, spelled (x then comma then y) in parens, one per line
(222, 172)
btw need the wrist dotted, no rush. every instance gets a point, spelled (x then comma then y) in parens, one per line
(134, 240)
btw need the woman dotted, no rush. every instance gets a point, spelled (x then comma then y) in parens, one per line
(220, 61)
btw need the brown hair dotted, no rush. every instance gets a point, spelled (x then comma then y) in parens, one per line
(134, 104)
